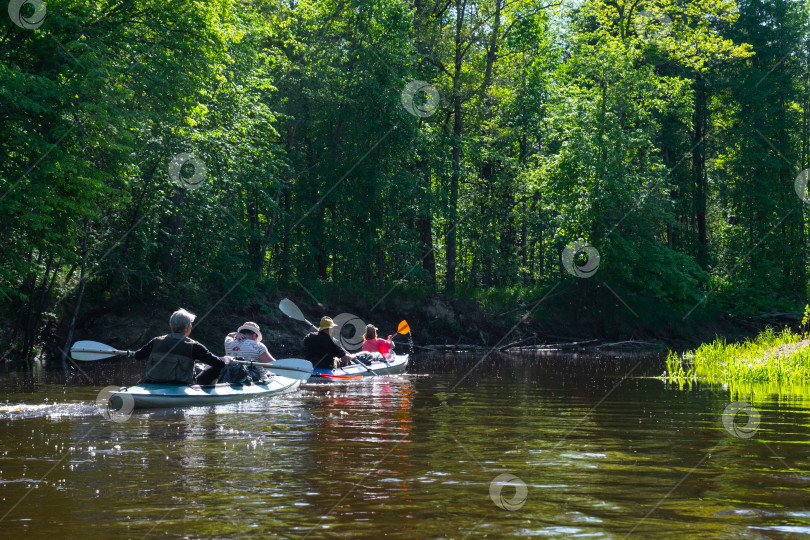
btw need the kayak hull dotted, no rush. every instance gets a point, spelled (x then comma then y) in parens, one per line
(397, 364)
(157, 395)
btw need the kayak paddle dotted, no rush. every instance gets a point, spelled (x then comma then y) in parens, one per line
(403, 329)
(88, 351)
(292, 368)
(289, 309)
(358, 362)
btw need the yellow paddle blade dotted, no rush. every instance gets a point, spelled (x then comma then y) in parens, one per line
(403, 328)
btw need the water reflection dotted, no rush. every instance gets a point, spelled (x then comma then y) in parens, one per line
(361, 430)
(598, 452)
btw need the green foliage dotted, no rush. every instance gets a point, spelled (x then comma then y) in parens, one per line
(777, 357)
(806, 320)
(750, 299)
(552, 126)
(675, 371)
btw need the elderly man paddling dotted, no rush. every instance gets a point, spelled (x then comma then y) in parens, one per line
(322, 349)
(171, 357)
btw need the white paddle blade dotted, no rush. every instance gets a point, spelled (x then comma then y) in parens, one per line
(87, 351)
(292, 368)
(289, 309)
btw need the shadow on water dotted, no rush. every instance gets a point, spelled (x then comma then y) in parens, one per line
(563, 369)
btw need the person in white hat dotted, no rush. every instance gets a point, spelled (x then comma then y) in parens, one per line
(246, 343)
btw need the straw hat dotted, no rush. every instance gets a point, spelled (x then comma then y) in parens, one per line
(253, 327)
(326, 322)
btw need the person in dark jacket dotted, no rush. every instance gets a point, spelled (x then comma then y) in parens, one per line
(322, 349)
(171, 357)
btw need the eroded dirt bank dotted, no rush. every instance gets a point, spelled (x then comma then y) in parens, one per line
(438, 323)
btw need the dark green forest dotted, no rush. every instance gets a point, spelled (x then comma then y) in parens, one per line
(641, 160)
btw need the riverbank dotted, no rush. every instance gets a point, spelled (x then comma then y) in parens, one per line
(772, 356)
(438, 323)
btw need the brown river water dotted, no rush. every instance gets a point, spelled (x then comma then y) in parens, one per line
(461, 447)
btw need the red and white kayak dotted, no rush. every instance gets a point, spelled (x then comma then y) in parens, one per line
(355, 372)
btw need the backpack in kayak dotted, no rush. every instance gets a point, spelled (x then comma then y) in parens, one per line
(367, 358)
(258, 375)
(234, 374)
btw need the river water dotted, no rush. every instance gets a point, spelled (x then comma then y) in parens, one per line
(461, 447)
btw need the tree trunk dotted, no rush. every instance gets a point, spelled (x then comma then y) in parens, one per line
(254, 243)
(450, 233)
(271, 225)
(284, 256)
(79, 297)
(172, 230)
(699, 171)
(524, 245)
(321, 249)
(425, 221)
(380, 265)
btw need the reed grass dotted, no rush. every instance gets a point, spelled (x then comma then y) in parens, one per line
(753, 360)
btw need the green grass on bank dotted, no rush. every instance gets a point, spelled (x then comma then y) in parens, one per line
(756, 360)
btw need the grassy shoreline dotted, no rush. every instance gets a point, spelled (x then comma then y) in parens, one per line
(772, 356)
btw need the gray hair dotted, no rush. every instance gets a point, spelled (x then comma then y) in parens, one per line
(180, 319)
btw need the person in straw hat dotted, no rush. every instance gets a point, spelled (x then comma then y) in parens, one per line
(322, 349)
(246, 343)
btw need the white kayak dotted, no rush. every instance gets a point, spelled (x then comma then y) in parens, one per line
(285, 375)
(152, 395)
